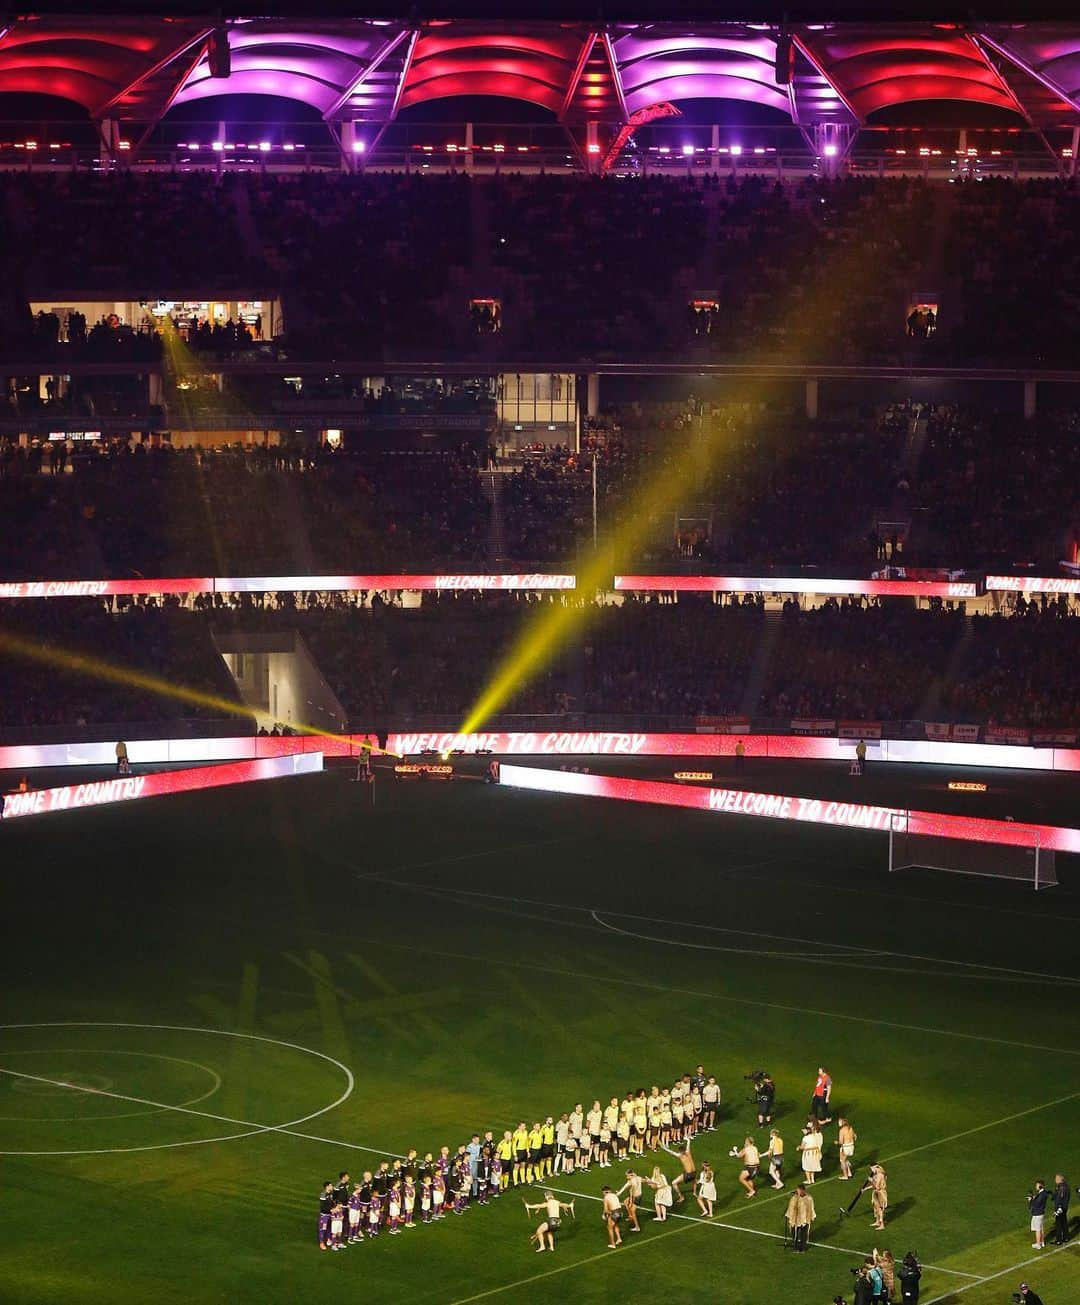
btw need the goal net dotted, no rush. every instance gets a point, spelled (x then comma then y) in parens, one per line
(1021, 858)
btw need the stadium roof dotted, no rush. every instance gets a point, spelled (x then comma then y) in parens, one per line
(136, 68)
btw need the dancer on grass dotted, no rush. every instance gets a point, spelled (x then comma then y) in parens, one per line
(549, 1225)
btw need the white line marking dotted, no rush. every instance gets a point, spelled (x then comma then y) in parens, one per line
(91, 1051)
(757, 1232)
(743, 951)
(744, 933)
(735, 1001)
(287, 1127)
(565, 1268)
(990, 1277)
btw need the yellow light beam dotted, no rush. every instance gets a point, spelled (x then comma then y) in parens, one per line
(543, 637)
(99, 669)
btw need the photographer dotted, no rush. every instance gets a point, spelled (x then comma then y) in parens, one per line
(910, 1277)
(864, 1288)
(1025, 1296)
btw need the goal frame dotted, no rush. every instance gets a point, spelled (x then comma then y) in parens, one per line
(1043, 876)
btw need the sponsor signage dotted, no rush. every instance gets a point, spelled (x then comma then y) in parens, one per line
(728, 584)
(860, 729)
(941, 732)
(1034, 584)
(966, 786)
(130, 788)
(276, 583)
(1006, 734)
(782, 806)
(807, 725)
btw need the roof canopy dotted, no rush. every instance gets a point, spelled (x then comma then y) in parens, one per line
(137, 68)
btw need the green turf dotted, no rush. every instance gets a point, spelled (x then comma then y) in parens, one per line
(287, 912)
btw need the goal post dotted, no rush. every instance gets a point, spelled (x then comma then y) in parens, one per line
(1022, 858)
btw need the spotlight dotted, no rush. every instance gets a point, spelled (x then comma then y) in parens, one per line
(736, 149)
(359, 146)
(688, 149)
(829, 151)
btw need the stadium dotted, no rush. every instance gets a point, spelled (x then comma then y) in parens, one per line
(539, 642)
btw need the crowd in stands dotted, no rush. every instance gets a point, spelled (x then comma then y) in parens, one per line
(378, 263)
(45, 679)
(390, 665)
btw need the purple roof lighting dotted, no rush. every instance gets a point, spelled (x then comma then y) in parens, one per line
(1051, 52)
(660, 61)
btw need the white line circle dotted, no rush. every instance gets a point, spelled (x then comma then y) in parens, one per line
(350, 1083)
(109, 1051)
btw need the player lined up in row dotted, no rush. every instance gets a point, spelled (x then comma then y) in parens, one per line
(400, 1191)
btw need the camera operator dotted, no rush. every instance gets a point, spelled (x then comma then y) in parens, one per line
(864, 1288)
(910, 1277)
(1025, 1296)
(765, 1096)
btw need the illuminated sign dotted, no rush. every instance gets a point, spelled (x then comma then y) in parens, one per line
(130, 788)
(966, 786)
(728, 584)
(782, 806)
(277, 583)
(410, 770)
(693, 774)
(1033, 584)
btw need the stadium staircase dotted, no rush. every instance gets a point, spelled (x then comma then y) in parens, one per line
(492, 482)
(929, 708)
(759, 668)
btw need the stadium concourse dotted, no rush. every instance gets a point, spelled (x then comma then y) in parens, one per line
(539, 625)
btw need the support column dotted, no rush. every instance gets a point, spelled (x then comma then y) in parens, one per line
(1075, 151)
(468, 147)
(592, 145)
(1030, 399)
(714, 150)
(592, 395)
(155, 390)
(348, 142)
(108, 139)
(812, 400)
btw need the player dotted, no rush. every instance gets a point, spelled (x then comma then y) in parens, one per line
(593, 1121)
(751, 1158)
(549, 1226)
(640, 1123)
(612, 1214)
(326, 1203)
(846, 1138)
(426, 1200)
(710, 1100)
(408, 1201)
(577, 1132)
(375, 1210)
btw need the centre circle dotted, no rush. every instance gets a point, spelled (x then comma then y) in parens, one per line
(249, 1127)
(82, 1084)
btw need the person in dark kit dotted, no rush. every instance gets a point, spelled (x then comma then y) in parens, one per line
(1061, 1210)
(1027, 1296)
(910, 1272)
(1037, 1202)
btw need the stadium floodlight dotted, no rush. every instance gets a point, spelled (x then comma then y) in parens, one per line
(829, 151)
(688, 149)
(218, 146)
(264, 147)
(736, 149)
(359, 146)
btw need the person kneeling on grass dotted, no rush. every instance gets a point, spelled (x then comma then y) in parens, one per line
(751, 1158)
(553, 1209)
(612, 1214)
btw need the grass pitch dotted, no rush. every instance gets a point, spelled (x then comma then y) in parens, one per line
(212, 1003)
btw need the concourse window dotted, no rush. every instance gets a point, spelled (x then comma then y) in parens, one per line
(485, 316)
(704, 315)
(922, 320)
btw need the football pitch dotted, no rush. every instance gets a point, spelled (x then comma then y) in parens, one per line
(214, 1002)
